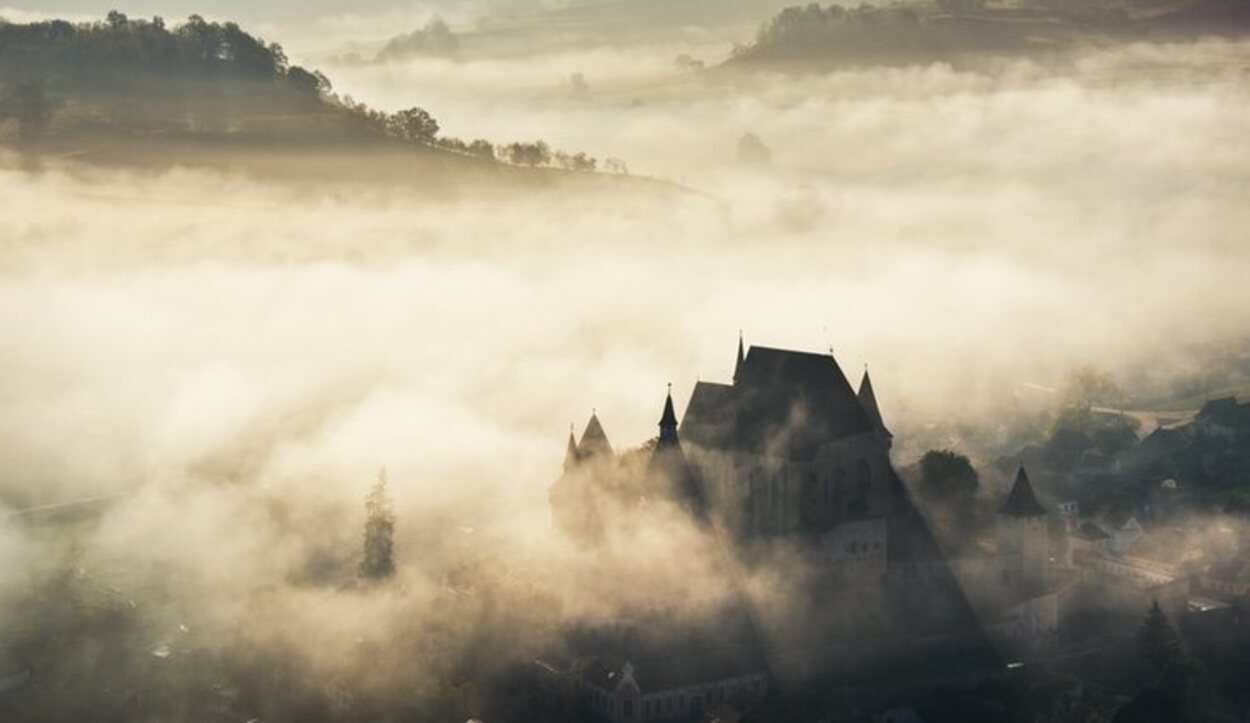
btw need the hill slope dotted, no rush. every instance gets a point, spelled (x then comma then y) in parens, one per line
(139, 93)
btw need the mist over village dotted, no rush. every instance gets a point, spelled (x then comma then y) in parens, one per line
(708, 361)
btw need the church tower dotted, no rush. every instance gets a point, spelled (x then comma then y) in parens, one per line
(575, 495)
(669, 474)
(1023, 540)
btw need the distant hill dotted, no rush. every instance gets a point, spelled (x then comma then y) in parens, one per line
(956, 29)
(141, 93)
(582, 25)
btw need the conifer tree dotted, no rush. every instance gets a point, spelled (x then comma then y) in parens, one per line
(1158, 640)
(1162, 646)
(378, 561)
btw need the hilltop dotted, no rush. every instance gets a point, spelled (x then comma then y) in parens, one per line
(140, 93)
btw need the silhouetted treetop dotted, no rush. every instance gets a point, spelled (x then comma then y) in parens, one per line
(76, 54)
(143, 72)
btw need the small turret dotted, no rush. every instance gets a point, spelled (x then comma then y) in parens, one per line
(570, 452)
(669, 473)
(668, 420)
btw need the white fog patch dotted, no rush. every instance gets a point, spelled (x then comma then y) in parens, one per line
(240, 357)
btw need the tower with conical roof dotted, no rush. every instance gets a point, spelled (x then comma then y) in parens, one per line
(669, 473)
(574, 497)
(868, 398)
(594, 444)
(1023, 539)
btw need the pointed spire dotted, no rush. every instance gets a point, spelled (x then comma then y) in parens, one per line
(570, 454)
(668, 420)
(741, 357)
(1022, 502)
(868, 398)
(669, 474)
(594, 439)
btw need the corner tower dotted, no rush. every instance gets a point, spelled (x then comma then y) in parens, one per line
(1023, 540)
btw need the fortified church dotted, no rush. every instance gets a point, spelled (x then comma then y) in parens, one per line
(790, 453)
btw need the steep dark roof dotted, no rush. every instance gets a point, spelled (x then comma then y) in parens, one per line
(706, 416)
(868, 398)
(782, 403)
(594, 440)
(911, 540)
(1022, 502)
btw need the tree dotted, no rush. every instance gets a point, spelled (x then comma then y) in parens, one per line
(753, 152)
(1083, 389)
(481, 148)
(528, 154)
(415, 125)
(117, 20)
(29, 104)
(1161, 645)
(946, 475)
(378, 561)
(615, 165)
(575, 162)
(307, 84)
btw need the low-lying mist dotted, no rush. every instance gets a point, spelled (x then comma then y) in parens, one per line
(237, 358)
